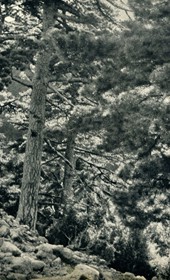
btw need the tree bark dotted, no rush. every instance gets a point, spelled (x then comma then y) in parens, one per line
(69, 172)
(28, 205)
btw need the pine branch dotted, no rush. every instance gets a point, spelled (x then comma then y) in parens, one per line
(65, 7)
(58, 153)
(8, 106)
(60, 95)
(64, 24)
(118, 6)
(71, 18)
(92, 101)
(24, 83)
(148, 150)
(128, 15)
(50, 160)
(151, 96)
(16, 36)
(54, 105)
(96, 166)
(80, 150)
(107, 16)
(69, 81)
(101, 169)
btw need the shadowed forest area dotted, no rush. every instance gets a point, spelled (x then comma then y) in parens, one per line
(85, 139)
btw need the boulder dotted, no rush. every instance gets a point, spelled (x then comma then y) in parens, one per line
(15, 235)
(21, 265)
(83, 271)
(128, 276)
(48, 248)
(2, 256)
(138, 277)
(109, 274)
(11, 248)
(57, 262)
(7, 258)
(4, 231)
(37, 265)
(65, 254)
(48, 278)
(27, 264)
(17, 276)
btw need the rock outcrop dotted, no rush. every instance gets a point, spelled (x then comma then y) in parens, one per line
(24, 255)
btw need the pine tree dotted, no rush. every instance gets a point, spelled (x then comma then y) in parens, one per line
(45, 65)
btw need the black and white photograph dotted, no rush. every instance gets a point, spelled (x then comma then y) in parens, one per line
(84, 139)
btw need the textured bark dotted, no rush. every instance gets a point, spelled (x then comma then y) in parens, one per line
(69, 171)
(27, 212)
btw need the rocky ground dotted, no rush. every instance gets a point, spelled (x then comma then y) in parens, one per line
(24, 255)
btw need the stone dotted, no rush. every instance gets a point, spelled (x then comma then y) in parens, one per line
(57, 262)
(1, 241)
(83, 271)
(28, 248)
(27, 264)
(2, 255)
(21, 265)
(128, 276)
(49, 278)
(64, 253)
(15, 235)
(17, 276)
(110, 274)
(4, 231)
(41, 254)
(10, 219)
(3, 277)
(38, 276)
(37, 265)
(7, 258)
(107, 275)
(42, 239)
(48, 248)
(116, 274)
(9, 247)
(138, 277)
(32, 239)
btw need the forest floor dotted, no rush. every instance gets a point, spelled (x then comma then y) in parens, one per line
(24, 255)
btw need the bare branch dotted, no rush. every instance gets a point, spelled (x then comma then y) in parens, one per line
(17, 36)
(118, 6)
(80, 150)
(58, 153)
(102, 11)
(96, 166)
(71, 18)
(22, 82)
(50, 160)
(69, 81)
(61, 96)
(128, 15)
(65, 7)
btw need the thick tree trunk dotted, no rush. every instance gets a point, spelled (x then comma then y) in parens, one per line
(27, 212)
(69, 172)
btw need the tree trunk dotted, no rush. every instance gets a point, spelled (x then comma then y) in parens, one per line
(28, 205)
(69, 172)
